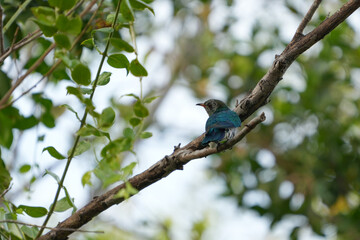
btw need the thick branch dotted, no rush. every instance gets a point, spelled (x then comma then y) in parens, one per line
(259, 95)
(159, 170)
(257, 98)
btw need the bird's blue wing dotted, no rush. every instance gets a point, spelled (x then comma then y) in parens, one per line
(213, 135)
(224, 120)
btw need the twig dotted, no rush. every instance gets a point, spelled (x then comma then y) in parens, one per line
(63, 229)
(36, 64)
(56, 64)
(307, 17)
(1, 32)
(83, 121)
(16, 14)
(5, 191)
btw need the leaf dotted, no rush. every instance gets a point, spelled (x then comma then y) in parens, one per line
(62, 40)
(118, 61)
(134, 121)
(88, 130)
(24, 123)
(128, 170)
(86, 91)
(146, 135)
(107, 117)
(56, 177)
(140, 5)
(69, 25)
(150, 99)
(62, 4)
(137, 69)
(54, 153)
(45, 15)
(62, 205)
(81, 74)
(104, 78)
(121, 45)
(30, 231)
(88, 42)
(128, 133)
(140, 110)
(85, 180)
(76, 92)
(126, 192)
(69, 199)
(25, 168)
(82, 147)
(48, 31)
(6, 135)
(126, 10)
(5, 177)
(34, 211)
(72, 110)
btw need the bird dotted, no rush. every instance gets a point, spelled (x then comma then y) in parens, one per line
(221, 124)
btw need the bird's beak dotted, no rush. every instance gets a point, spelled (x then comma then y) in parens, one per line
(201, 104)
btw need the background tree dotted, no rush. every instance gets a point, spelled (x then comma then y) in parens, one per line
(301, 164)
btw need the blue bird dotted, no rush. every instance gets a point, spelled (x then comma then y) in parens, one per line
(222, 122)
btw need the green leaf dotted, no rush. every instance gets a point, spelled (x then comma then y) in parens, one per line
(146, 135)
(115, 147)
(140, 110)
(6, 135)
(82, 147)
(69, 25)
(45, 15)
(34, 211)
(5, 177)
(62, 40)
(86, 91)
(24, 123)
(88, 130)
(76, 92)
(137, 69)
(128, 133)
(150, 99)
(118, 61)
(72, 110)
(54, 153)
(48, 31)
(107, 117)
(140, 5)
(104, 30)
(85, 180)
(25, 168)
(126, 10)
(62, 205)
(104, 78)
(62, 4)
(53, 175)
(126, 192)
(30, 231)
(88, 42)
(134, 121)
(81, 74)
(128, 170)
(121, 45)
(69, 199)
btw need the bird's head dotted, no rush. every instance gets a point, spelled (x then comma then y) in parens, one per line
(213, 105)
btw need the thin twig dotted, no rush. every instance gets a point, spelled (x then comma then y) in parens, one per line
(1, 32)
(56, 64)
(307, 17)
(16, 14)
(5, 191)
(83, 121)
(51, 228)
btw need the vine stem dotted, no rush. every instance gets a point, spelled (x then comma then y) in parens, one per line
(83, 120)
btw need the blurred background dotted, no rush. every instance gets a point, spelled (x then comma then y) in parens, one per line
(296, 176)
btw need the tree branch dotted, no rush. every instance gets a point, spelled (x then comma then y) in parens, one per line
(159, 170)
(257, 98)
(261, 92)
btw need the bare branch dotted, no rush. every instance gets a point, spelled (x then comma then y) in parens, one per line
(63, 229)
(1, 32)
(307, 17)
